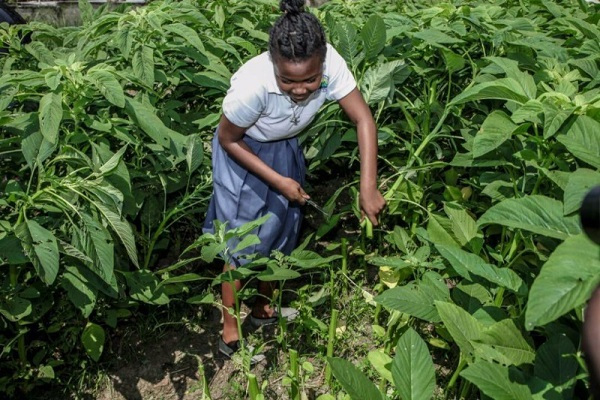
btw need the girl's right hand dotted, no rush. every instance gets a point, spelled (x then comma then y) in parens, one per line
(292, 190)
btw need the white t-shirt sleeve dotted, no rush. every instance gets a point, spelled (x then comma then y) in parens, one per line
(341, 82)
(244, 101)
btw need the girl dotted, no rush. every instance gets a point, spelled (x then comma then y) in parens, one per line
(258, 166)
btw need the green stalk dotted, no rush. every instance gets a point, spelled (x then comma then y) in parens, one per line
(499, 297)
(14, 280)
(238, 321)
(465, 389)
(21, 348)
(205, 385)
(331, 342)
(253, 389)
(345, 264)
(377, 312)
(294, 374)
(461, 365)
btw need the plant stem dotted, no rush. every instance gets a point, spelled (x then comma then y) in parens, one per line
(345, 264)
(253, 389)
(294, 372)
(461, 364)
(330, 343)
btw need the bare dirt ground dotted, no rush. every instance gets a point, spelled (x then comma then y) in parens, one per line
(168, 368)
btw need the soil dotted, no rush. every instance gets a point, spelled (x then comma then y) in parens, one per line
(168, 367)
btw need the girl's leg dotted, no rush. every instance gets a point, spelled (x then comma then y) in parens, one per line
(230, 331)
(262, 307)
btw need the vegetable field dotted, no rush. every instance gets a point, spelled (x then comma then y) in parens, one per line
(474, 284)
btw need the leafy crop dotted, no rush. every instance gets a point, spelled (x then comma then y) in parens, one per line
(488, 116)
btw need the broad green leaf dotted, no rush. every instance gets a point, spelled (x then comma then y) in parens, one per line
(144, 286)
(11, 251)
(194, 153)
(123, 230)
(72, 251)
(439, 229)
(554, 117)
(412, 299)
(41, 248)
(511, 69)
(505, 338)
(499, 89)
(464, 226)
(382, 364)
(556, 360)
(247, 241)
(189, 277)
(16, 308)
(436, 37)
(79, 291)
(412, 368)
(377, 83)
(454, 62)
(50, 115)
(38, 50)
(147, 120)
(495, 130)
(347, 43)
(202, 299)
(583, 141)
(528, 112)
(465, 264)
(495, 381)
(93, 338)
(53, 79)
(250, 28)
(471, 296)
(373, 36)
(108, 85)
(580, 182)
(99, 246)
(143, 65)
(538, 214)
(187, 33)
(124, 40)
(275, 273)
(46, 372)
(566, 281)
(461, 325)
(113, 162)
(354, 382)
(86, 11)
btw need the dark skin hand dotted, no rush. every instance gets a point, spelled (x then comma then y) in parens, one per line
(299, 80)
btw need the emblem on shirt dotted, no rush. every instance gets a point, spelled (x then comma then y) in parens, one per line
(324, 83)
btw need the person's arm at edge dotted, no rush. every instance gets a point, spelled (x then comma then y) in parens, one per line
(230, 138)
(371, 200)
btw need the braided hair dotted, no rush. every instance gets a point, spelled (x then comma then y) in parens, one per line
(297, 35)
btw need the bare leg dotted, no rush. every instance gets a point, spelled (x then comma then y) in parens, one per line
(230, 331)
(262, 307)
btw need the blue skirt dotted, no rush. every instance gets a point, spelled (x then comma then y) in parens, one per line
(239, 197)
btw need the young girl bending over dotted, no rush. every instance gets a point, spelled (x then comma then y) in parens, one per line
(258, 166)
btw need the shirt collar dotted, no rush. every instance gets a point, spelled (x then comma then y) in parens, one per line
(272, 86)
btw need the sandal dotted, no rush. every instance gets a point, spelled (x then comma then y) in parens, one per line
(229, 349)
(287, 313)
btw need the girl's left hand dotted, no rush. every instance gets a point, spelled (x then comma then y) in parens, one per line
(371, 204)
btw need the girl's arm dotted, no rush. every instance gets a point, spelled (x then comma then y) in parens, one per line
(230, 138)
(371, 200)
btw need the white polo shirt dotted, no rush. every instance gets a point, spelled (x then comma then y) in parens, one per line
(254, 100)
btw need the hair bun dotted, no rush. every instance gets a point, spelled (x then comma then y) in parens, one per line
(291, 6)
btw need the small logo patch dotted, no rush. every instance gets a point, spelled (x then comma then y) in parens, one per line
(324, 83)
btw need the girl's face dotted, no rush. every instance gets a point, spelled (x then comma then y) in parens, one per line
(299, 79)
